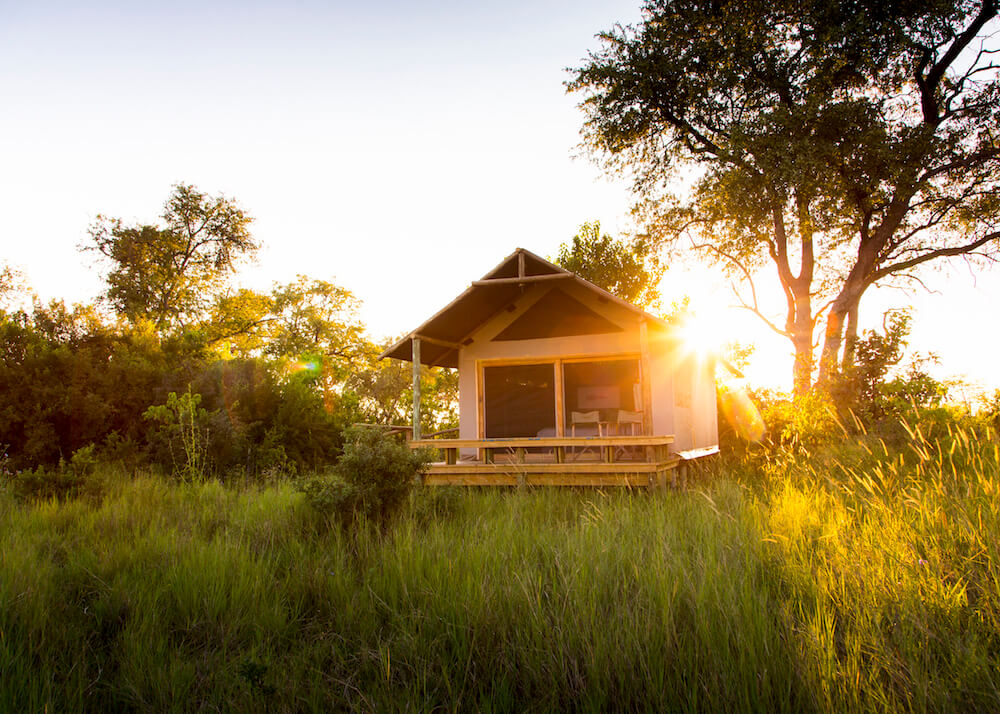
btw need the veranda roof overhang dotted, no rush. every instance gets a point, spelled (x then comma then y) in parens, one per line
(444, 334)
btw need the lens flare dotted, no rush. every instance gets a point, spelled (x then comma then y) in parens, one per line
(303, 367)
(740, 411)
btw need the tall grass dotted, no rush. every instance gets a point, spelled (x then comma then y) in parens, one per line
(892, 557)
(862, 578)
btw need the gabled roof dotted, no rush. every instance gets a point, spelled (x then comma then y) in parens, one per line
(449, 329)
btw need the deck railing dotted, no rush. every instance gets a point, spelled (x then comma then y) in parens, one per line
(651, 448)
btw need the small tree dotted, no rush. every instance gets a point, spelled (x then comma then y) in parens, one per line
(185, 433)
(630, 271)
(866, 389)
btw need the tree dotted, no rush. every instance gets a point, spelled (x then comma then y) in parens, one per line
(921, 181)
(297, 319)
(236, 324)
(314, 317)
(842, 143)
(628, 270)
(385, 391)
(13, 288)
(167, 274)
(7, 279)
(858, 388)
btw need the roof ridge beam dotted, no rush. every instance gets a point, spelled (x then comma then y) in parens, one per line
(525, 279)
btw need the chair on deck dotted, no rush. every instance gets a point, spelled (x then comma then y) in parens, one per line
(631, 421)
(581, 419)
(628, 424)
(586, 419)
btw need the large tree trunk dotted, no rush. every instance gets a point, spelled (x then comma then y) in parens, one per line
(799, 320)
(803, 322)
(832, 337)
(851, 338)
(844, 315)
(803, 367)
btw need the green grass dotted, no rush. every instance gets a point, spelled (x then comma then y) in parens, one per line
(854, 579)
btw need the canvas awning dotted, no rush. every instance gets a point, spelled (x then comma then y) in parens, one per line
(446, 332)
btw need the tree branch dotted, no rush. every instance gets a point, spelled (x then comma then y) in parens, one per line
(932, 255)
(242, 330)
(979, 157)
(929, 84)
(753, 308)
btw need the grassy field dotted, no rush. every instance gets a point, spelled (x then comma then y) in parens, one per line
(865, 577)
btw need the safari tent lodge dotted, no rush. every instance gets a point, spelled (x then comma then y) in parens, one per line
(561, 383)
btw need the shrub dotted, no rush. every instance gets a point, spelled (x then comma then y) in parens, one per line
(990, 411)
(803, 422)
(67, 480)
(375, 475)
(865, 393)
(183, 432)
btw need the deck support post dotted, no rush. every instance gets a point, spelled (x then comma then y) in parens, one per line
(645, 376)
(416, 388)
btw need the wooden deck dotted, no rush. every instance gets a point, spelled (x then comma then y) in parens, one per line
(637, 461)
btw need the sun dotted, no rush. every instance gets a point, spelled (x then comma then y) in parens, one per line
(700, 335)
(717, 323)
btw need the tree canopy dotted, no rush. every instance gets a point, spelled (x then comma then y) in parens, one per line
(629, 270)
(168, 273)
(841, 143)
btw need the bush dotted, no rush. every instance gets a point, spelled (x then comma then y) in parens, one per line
(990, 411)
(865, 393)
(65, 481)
(182, 434)
(375, 475)
(801, 422)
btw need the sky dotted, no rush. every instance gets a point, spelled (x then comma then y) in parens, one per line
(399, 149)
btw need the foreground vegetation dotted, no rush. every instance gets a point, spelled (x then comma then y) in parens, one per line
(857, 577)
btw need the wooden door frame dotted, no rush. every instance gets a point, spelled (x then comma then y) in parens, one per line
(559, 383)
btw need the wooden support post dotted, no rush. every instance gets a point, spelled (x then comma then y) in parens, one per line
(645, 377)
(560, 398)
(416, 388)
